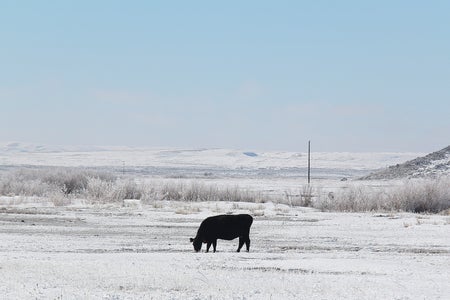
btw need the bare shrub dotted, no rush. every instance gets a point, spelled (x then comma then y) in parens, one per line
(196, 191)
(23, 182)
(127, 189)
(57, 184)
(61, 185)
(357, 198)
(307, 195)
(73, 181)
(412, 196)
(100, 187)
(99, 191)
(10, 186)
(241, 195)
(58, 198)
(68, 181)
(38, 182)
(353, 198)
(172, 192)
(422, 195)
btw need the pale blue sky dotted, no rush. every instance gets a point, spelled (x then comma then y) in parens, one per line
(255, 75)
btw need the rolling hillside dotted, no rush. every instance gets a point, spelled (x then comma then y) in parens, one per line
(432, 165)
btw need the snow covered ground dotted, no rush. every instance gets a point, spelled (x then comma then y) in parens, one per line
(84, 251)
(112, 252)
(275, 173)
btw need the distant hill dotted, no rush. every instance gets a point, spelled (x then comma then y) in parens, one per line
(19, 147)
(432, 165)
(237, 161)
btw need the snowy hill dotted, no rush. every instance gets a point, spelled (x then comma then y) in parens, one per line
(432, 165)
(31, 154)
(18, 147)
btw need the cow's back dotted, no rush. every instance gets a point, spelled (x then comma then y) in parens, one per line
(225, 227)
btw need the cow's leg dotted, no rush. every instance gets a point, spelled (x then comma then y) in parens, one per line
(207, 246)
(247, 243)
(241, 243)
(214, 245)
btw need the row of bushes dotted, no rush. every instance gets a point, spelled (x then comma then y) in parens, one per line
(41, 182)
(62, 184)
(415, 195)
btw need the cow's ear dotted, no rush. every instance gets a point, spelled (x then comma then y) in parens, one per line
(191, 239)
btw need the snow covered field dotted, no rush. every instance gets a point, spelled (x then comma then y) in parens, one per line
(29, 154)
(109, 252)
(275, 173)
(85, 251)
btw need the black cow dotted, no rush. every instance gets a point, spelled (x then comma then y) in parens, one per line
(225, 227)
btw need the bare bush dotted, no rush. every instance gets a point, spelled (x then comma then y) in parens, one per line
(61, 185)
(412, 196)
(127, 189)
(73, 181)
(307, 195)
(58, 198)
(23, 182)
(10, 186)
(352, 198)
(196, 191)
(41, 181)
(172, 192)
(423, 195)
(99, 191)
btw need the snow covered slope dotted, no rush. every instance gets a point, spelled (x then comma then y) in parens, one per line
(432, 165)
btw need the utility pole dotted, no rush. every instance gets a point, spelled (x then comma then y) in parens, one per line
(309, 162)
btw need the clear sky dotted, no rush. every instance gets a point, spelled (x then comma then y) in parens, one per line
(255, 75)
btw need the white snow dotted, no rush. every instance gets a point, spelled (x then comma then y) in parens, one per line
(433, 167)
(135, 250)
(27, 154)
(113, 252)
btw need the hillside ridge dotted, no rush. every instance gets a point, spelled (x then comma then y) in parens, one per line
(434, 164)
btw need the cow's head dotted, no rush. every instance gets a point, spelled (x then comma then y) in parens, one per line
(197, 244)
